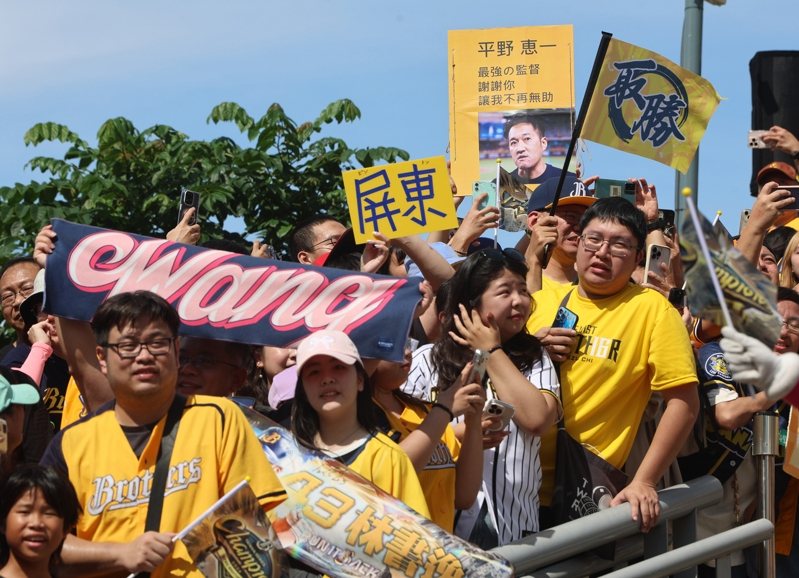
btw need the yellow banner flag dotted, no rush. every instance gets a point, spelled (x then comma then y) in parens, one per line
(646, 105)
(400, 199)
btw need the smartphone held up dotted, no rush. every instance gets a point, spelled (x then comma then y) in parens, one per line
(189, 199)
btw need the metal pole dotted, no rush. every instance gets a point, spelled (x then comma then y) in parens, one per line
(765, 446)
(691, 59)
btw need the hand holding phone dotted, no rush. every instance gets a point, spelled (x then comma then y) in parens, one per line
(479, 361)
(756, 139)
(189, 199)
(794, 190)
(656, 256)
(565, 318)
(495, 408)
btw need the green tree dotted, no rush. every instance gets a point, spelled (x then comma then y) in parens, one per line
(131, 180)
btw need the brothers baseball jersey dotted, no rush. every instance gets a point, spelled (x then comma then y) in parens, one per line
(214, 450)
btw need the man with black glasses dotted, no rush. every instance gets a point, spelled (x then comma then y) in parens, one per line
(314, 238)
(148, 463)
(630, 341)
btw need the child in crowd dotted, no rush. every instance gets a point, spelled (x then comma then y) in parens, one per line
(334, 413)
(450, 472)
(16, 391)
(38, 508)
(487, 308)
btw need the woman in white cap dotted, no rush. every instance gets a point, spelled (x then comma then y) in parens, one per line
(16, 391)
(334, 413)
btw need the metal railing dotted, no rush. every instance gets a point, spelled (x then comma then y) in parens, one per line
(565, 550)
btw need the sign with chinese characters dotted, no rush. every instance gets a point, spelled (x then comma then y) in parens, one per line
(342, 525)
(400, 199)
(498, 75)
(649, 106)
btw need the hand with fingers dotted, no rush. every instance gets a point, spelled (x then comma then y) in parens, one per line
(147, 552)
(472, 332)
(44, 245)
(558, 341)
(644, 502)
(184, 231)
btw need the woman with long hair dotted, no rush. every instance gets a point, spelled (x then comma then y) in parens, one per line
(789, 272)
(334, 413)
(487, 307)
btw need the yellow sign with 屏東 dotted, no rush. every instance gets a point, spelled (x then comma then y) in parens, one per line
(498, 73)
(647, 105)
(400, 199)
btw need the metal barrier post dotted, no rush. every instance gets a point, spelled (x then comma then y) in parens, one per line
(765, 446)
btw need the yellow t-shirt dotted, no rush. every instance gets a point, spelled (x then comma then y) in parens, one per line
(383, 463)
(214, 450)
(439, 475)
(73, 404)
(628, 345)
(548, 284)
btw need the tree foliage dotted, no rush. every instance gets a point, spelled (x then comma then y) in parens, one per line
(131, 179)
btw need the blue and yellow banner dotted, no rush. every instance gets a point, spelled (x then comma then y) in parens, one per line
(647, 105)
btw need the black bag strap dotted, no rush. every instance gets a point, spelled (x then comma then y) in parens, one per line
(156, 502)
(162, 464)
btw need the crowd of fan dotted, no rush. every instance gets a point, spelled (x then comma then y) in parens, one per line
(88, 406)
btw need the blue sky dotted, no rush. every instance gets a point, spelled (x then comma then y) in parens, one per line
(80, 63)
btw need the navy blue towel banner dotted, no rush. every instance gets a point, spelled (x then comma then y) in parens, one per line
(227, 296)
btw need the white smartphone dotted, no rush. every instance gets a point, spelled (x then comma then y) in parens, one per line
(479, 361)
(655, 255)
(756, 139)
(744, 220)
(501, 409)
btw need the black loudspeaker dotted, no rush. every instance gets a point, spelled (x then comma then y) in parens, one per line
(775, 101)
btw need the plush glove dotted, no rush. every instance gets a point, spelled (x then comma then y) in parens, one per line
(753, 362)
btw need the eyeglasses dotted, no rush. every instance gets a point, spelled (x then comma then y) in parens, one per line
(202, 362)
(10, 296)
(593, 243)
(131, 349)
(411, 345)
(791, 324)
(511, 254)
(330, 242)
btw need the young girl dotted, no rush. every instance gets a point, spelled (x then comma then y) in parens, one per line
(449, 471)
(334, 413)
(487, 308)
(38, 508)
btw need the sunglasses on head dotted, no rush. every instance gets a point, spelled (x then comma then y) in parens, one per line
(511, 254)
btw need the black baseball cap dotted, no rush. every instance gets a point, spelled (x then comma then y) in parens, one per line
(574, 192)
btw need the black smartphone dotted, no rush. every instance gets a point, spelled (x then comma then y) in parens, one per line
(668, 220)
(189, 199)
(565, 318)
(794, 190)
